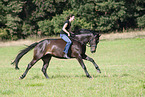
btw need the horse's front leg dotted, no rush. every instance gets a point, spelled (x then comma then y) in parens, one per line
(92, 60)
(79, 58)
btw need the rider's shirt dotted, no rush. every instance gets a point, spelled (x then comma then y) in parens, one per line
(67, 28)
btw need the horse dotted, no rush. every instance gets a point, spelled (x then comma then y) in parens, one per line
(48, 48)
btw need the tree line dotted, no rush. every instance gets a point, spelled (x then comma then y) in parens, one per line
(23, 18)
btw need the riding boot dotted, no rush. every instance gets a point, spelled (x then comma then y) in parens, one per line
(65, 55)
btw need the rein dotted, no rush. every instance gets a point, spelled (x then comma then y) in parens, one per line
(82, 43)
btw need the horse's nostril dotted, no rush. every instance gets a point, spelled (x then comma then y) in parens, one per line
(92, 51)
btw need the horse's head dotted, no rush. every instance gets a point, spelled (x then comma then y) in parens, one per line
(94, 40)
(88, 36)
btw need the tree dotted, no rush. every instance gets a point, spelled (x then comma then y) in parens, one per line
(21, 18)
(3, 32)
(2, 14)
(140, 13)
(55, 25)
(13, 22)
(110, 15)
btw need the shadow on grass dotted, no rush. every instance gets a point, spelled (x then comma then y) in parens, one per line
(35, 84)
(72, 76)
(81, 76)
(6, 92)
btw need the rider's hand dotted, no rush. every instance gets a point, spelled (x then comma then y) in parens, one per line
(71, 32)
(68, 34)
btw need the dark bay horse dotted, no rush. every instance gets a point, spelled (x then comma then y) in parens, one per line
(48, 48)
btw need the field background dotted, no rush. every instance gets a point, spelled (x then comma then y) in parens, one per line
(122, 62)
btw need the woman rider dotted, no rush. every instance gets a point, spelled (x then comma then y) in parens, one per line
(65, 33)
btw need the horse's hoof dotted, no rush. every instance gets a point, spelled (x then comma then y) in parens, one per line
(99, 71)
(20, 78)
(47, 77)
(17, 68)
(89, 76)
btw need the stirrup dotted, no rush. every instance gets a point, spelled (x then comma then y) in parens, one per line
(65, 55)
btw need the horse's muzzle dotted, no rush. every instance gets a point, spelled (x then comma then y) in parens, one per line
(93, 49)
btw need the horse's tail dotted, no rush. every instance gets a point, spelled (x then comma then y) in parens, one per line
(22, 53)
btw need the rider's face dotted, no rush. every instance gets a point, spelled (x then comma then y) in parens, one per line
(72, 18)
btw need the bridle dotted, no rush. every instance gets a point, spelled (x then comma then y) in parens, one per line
(92, 40)
(84, 43)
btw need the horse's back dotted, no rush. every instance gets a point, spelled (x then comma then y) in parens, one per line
(51, 46)
(54, 46)
(53, 40)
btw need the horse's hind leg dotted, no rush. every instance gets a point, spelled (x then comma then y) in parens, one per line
(46, 59)
(28, 68)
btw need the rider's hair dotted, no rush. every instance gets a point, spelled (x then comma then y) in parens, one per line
(69, 16)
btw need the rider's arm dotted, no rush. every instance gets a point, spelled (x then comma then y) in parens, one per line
(64, 29)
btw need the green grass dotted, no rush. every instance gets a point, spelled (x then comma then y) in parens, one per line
(122, 63)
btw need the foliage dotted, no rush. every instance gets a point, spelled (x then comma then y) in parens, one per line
(3, 34)
(46, 27)
(113, 13)
(141, 21)
(2, 14)
(55, 25)
(22, 18)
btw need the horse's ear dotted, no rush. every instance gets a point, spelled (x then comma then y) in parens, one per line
(99, 35)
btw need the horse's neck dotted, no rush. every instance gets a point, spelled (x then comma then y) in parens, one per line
(84, 38)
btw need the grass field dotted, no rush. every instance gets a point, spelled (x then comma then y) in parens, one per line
(122, 63)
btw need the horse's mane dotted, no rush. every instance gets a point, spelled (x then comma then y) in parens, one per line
(84, 31)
